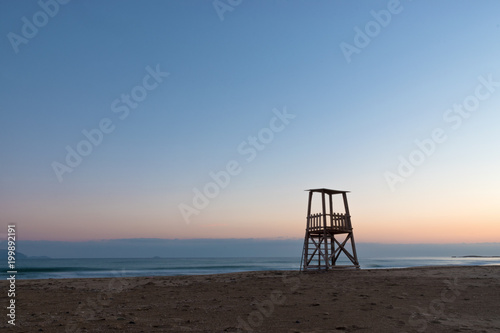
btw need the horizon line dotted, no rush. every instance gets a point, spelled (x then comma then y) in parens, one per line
(234, 238)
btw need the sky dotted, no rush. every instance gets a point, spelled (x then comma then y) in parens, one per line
(209, 119)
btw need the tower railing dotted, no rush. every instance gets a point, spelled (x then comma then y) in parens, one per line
(335, 221)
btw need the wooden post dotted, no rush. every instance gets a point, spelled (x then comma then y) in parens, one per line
(346, 207)
(331, 209)
(349, 225)
(332, 223)
(306, 243)
(353, 245)
(325, 258)
(309, 205)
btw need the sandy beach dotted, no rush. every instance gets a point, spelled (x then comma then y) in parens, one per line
(425, 299)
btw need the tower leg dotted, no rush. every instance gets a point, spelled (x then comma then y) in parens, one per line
(333, 250)
(355, 255)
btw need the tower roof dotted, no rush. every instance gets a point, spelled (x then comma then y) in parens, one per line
(328, 191)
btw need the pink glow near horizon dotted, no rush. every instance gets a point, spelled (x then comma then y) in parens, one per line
(79, 223)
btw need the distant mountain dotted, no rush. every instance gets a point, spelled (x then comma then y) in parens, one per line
(5, 253)
(475, 256)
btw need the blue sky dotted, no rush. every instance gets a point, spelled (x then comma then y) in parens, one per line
(352, 119)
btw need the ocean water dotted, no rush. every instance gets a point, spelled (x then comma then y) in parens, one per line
(87, 268)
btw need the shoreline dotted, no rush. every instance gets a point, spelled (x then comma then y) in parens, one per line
(412, 299)
(255, 271)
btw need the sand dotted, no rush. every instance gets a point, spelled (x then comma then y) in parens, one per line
(426, 299)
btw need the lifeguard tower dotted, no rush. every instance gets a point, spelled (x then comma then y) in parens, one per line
(323, 242)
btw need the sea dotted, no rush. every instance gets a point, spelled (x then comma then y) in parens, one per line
(137, 267)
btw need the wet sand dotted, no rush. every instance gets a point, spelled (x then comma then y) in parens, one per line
(425, 299)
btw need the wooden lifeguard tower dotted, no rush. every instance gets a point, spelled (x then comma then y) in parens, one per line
(323, 242)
